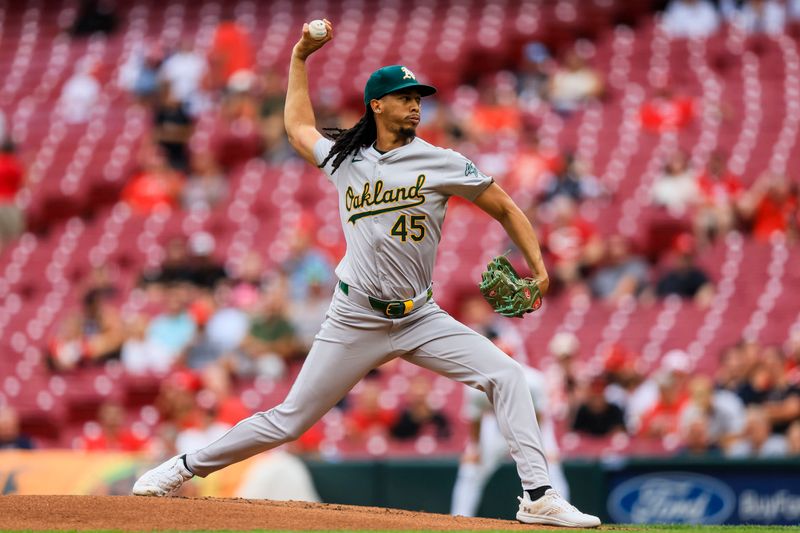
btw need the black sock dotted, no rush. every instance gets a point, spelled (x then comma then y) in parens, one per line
(183, 458)
(538, 492)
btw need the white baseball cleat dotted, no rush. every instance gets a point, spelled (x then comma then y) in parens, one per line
(163, 480)
(553, 510)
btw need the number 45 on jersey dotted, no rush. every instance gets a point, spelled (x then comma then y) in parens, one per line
(409, 226)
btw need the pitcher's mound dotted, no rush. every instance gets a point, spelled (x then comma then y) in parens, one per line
(129, 513)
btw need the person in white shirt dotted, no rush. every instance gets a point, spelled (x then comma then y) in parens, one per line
(184, 71)
(676, 189)
(761, 16)
(80, 94)
(690, 18)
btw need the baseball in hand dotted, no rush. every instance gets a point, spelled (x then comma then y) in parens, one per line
(317, 29)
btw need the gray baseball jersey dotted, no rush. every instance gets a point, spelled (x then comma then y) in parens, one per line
(392, 207)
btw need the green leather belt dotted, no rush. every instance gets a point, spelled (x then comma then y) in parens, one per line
(390, 308)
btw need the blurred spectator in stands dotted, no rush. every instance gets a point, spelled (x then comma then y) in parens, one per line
(695, 438)
(496, 111)
(140, 354)
(792, 439)
(229, 324)
(80, 93)
(690, 18)
(572, 243)
(272, 338)
(676, 188)
(12, 179)
(248, 279)
(533, 75)
(595, 415)
(667, 111)
(686, 279)
(673, 371)
(761, 16)
(176, 403)
(533, 166)
(94, 16)
(308, 314)
(663, 418)
(619, 369)
(202, 350)
(418, 417)
(368, 417)
(733, 370)
(206, 430)
(720, 191)
(231, 52)
(721, 411)
(563, 376)
(11, 437)
(205, 272)
(174, 328)
(184, 72)
(110, 432)
(771, 206)
(273, 133)
(172, 128)
(157, 185)
(141, 72)
(622, 273)
(206, 186)
(93, 336)
(757, 439)
(773, 390)
(239, 138)
(307, 264)
(573, 83)
(175, 266)
(219, 409)
(575, 181)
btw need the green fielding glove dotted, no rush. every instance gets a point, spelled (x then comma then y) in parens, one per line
(506, 292)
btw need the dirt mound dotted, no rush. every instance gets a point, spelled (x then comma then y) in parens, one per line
(129, 513)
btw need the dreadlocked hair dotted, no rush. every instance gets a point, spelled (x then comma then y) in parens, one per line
(364, 133)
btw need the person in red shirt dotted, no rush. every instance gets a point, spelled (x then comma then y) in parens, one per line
(155, 186)
(12, 178)
(368, 417)
(572, 243)
(663, 418)
(771, 206)
(110, 434)
(667, 112)
(231, 51)
(720, 190)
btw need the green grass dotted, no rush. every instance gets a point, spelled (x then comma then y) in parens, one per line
(633, 528)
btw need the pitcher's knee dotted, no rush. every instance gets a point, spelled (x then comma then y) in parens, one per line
(283, 428)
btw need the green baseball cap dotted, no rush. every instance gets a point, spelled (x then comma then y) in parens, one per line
(389, 79)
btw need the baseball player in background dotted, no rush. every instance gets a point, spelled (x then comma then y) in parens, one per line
(393, 189)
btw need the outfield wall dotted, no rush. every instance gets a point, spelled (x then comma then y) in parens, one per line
(710, 491)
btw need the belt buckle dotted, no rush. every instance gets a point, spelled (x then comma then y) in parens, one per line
(399, 309)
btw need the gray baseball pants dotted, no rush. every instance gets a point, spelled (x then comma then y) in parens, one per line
(355, 339)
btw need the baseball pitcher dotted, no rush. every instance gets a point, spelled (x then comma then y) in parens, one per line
(393, 189)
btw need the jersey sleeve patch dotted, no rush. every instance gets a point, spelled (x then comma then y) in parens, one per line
(463, 178)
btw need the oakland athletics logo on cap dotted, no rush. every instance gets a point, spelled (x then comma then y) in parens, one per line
(389, 79)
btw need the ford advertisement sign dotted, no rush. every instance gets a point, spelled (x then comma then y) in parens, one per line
(727, 494)
(672, 497)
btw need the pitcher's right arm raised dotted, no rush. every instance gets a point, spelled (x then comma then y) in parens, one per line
(298, 115)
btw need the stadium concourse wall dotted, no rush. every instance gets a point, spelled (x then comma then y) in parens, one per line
(633, 490)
